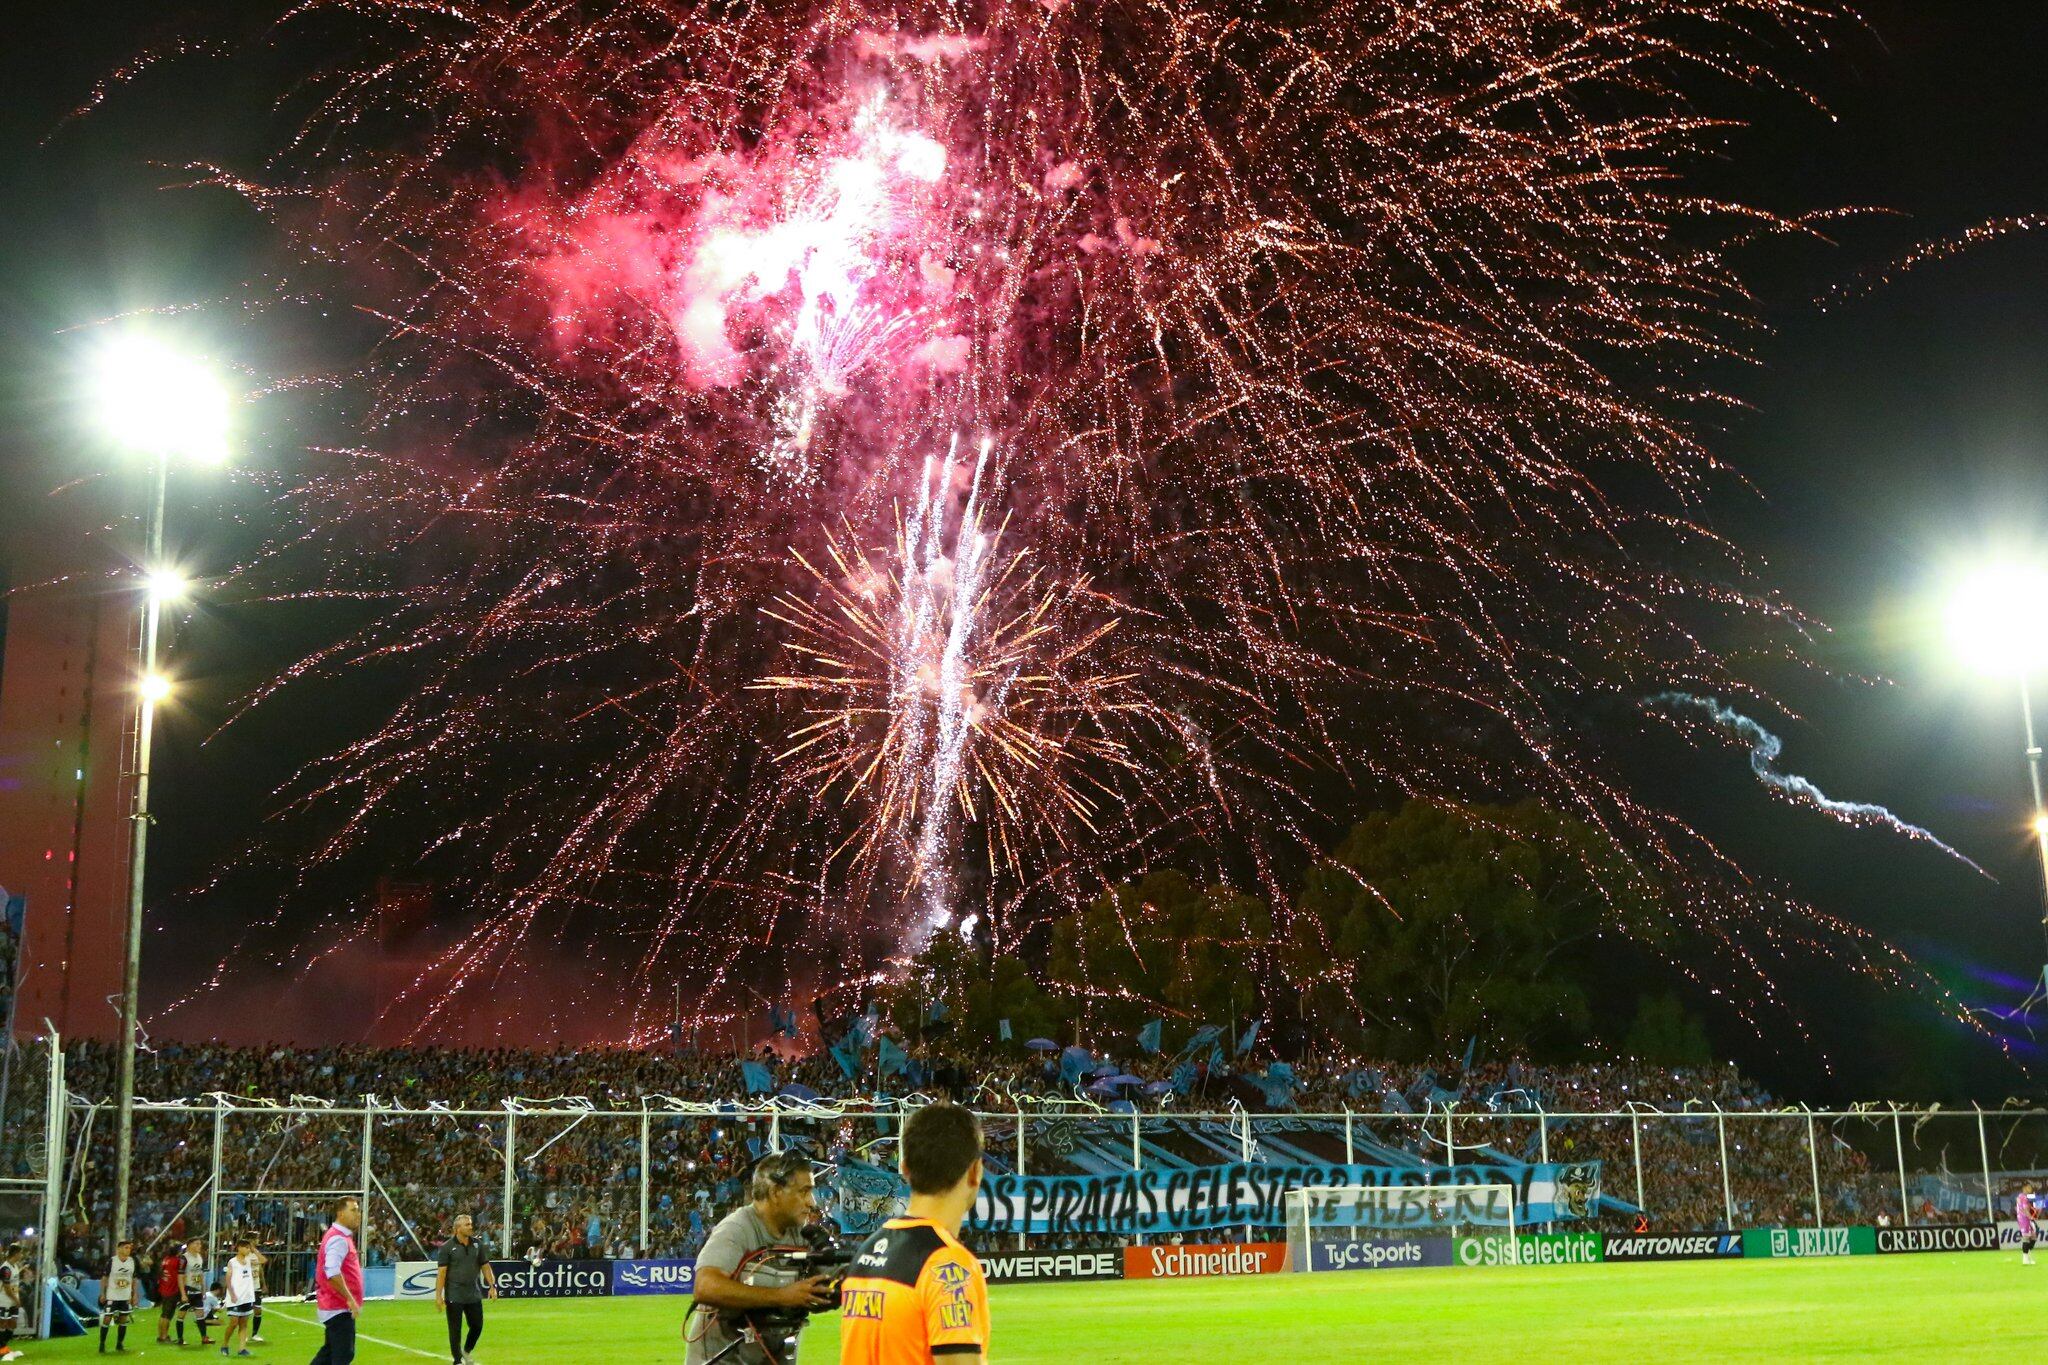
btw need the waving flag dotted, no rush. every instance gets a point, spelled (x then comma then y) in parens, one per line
(1149, 1036)
(1248, 1037)
(757, 1078)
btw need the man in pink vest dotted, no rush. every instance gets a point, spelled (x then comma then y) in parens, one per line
(339, 1287)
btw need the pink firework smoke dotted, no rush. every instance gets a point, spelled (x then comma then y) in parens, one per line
(1317, 374)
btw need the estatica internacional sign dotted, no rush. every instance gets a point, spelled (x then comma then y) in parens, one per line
(1179, 1263)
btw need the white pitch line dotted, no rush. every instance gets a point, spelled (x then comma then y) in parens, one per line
(360, 1334)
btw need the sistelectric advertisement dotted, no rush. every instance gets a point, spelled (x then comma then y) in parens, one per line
(1682, 1246)
(654, 1277)
(1381, 1254)
(1025, 1267)
(1190, 1262)
(1553, 1248)
(1780, 1243)
(553, 1279)
(1956, 1237)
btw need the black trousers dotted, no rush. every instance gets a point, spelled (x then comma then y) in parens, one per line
(340, 1346)
(458, 1313)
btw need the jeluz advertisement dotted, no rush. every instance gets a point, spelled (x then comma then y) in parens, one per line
(1778, 1243)
(1190, 1262)
(1381, 1254)
(1555, 1248)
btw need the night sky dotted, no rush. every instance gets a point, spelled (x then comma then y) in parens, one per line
(1889, 438)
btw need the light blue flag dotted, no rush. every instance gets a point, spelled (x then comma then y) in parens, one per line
(1003, 1029)
(1075, 1062)
(1248, 1037)
(892, 1057)
(1149, 1036)
(756, 1078)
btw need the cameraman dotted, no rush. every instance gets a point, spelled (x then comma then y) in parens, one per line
(782, 1204)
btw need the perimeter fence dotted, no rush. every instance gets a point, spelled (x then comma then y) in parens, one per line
(566, 1178)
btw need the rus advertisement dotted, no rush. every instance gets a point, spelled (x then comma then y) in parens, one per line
(1380, 1253)
(654, 1277)
(1779, 1243)
(1192, 1199)
(1193, 1262)
(553, 1279)
(1681, 1246)
(1543, 1248)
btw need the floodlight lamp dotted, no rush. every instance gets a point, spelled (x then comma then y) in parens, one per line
(1998, 620)
(159, 402)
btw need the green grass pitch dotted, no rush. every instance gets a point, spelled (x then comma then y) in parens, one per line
(1959, 1307)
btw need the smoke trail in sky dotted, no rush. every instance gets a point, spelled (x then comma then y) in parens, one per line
(1764, 748)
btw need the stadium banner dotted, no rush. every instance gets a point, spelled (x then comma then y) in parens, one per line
(654, 1277)
(1777, 1243)
(1189, 1262)
(1953, 1237)
(1535, 1248)
(553, 1279)
(1381, 1253)
(1024, 1267)
(1190, 1199)
(415, 1279)
(1687, 1246)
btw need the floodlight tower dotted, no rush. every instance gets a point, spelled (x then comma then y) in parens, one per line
(1998, 623)
(169, 408)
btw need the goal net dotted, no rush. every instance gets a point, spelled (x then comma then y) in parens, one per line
(1361, 1227)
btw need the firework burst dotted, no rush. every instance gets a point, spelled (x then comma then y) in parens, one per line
(1336, 362)
(952, 682)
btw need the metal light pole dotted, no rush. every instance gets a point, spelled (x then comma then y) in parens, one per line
(155, 402)
(147, 693)
(2040, 809)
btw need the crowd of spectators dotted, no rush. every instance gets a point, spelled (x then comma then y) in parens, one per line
(577, 1178)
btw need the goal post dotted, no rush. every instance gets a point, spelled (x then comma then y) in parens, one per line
(1331, 1227)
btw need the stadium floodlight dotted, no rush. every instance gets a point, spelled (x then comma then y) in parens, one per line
(1998, 624)
(152, 400)
(1364, 1227)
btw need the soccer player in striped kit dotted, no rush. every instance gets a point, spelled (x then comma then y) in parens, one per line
(117, 1295)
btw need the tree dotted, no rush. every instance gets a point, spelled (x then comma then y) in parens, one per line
(1667, 1034)
(1164, 946)
(1465, 923)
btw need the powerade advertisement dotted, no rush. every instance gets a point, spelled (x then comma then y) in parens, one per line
(1381, 1253)
(1191, 1199)
(1023, 1267)
(654, 1277)
(553, 1279)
